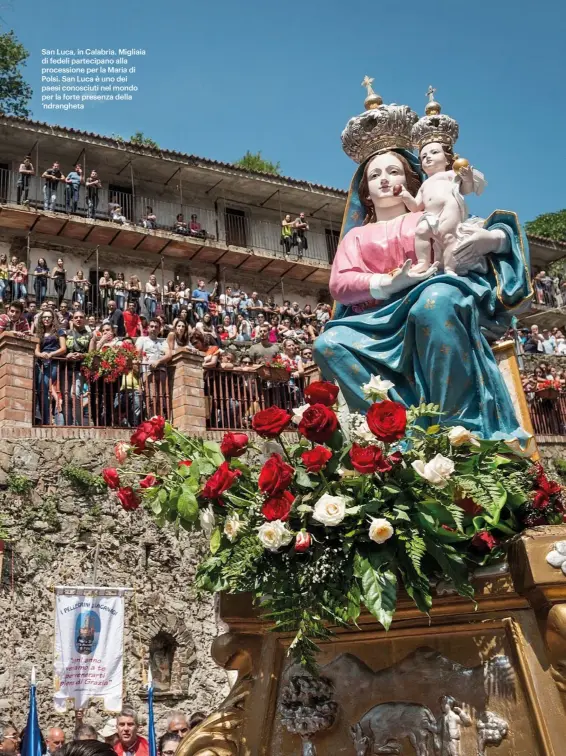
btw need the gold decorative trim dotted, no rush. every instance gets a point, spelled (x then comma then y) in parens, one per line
(518, 643)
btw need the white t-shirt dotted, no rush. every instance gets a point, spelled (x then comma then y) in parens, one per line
(152, 350)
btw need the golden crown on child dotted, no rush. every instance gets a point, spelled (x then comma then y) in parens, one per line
(385, 127)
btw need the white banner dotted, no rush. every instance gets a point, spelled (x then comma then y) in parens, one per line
(89, 642)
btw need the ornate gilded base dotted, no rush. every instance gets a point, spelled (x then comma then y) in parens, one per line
(471, 681)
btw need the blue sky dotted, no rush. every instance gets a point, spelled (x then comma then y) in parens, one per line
(222, 77)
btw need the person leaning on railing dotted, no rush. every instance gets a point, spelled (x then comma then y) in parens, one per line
(59, 276)
(25, 172)
(71, 381)
(52, 344)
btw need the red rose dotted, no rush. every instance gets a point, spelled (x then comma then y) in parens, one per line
(278, 507)
(149, 481)
(302, 541)
(270, 422)
(185, 463)
(368, 459)
(469, 506)
(111, 477)
(234, 444)
(548, 487)
(121, 451)
(484, 541)
(540, 500)
(387, 420)
(321, 392)
(317, 458)
(395, 458)
(138, 439)
(158, 424)
(128, 498)
(318, 423)
(275, 476)
(220, 481)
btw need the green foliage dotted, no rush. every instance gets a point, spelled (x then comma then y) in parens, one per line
(560, 467)
(307, 576)
(142, 141)
(550, 225)
(19, 484)
(83, 480)
(15, 94)
(255, 162)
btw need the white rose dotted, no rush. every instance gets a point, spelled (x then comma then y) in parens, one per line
(377, 388)
(207, 520)
(330, 510)
(362, 433)
(231, 526)
(298, 413)
(437, 471)
(273, 535)
(380, 530)
(460, 435)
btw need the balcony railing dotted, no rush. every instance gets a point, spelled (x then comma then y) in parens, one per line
(548, 414)
(63, 397)
(231, 227)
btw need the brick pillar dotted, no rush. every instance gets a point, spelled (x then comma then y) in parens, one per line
(189, 408)
(16, 380)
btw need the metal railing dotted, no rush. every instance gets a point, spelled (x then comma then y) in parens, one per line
(233, 397)
(548, 413)
(123, 207)
(63, 397)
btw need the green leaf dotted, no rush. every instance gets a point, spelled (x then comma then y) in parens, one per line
(163, 495)
(213, 453)
(303, 480)
(156, 506)
(305, 508)
(187, 506)
(215, 540)
(184, 471)
(379, 586)
(432, 429)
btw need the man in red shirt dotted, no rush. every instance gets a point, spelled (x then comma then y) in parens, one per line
(129, 742)
(14, 320)
(132, 321)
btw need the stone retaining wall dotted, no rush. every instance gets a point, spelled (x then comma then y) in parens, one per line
(53, 532)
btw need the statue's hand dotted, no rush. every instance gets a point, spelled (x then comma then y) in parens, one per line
(475, 243)
(406, 278)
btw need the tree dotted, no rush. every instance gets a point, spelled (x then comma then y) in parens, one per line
(255, 162)
(143, 141)
(15, 94)
(550, 225)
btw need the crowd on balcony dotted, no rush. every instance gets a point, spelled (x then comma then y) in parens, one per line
(234, 330)
(549, 290)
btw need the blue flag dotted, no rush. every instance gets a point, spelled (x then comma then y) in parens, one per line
(32, 740)
(150, 719)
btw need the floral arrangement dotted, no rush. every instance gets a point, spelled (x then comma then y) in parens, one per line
(109, 362)
(335, 518)
(549, 384)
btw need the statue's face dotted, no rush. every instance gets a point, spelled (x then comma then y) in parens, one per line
(384, 172)
(433, 159)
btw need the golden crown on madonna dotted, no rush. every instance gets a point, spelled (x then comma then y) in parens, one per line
(434, 126)
(379, 127)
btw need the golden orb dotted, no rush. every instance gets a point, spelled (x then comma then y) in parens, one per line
(373, 101)
(460, 163)
(432, 108)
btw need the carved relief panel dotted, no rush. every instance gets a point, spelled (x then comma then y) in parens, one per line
(461, 694)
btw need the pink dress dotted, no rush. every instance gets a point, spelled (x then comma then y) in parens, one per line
(365, 250)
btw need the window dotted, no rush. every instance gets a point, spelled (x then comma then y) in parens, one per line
(4, 182)
(332, 238)
(236, 225)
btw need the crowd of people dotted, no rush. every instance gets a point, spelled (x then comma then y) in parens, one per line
(118, 737)
(236, 331)
(549, 290)
(61, 189)
(534, 340)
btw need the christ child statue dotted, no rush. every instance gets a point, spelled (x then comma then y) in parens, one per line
(440, 196)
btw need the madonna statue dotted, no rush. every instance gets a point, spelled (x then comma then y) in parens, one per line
(426, 331)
